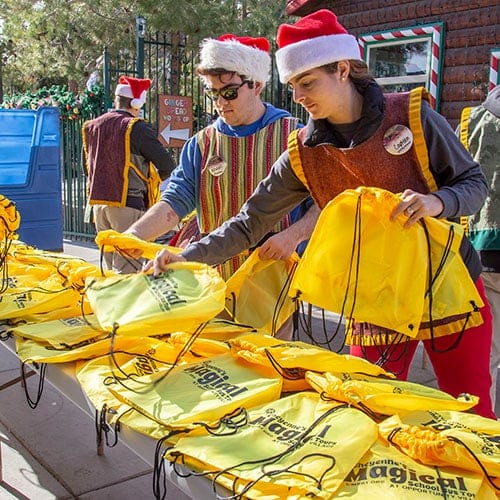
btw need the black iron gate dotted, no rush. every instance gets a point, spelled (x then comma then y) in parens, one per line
(169, 62)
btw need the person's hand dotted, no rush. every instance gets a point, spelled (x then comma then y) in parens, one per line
(161, 261)
(416, 205)
(278, 247)
(132, 253)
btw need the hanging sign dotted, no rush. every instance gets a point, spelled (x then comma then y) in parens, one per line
(175, 119)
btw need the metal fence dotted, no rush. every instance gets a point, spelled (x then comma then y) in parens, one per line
(167, 60)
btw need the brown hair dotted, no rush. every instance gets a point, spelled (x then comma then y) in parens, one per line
(123, 102)
(358, 73)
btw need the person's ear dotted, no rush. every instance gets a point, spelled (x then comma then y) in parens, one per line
(259, 87)
(343, 69)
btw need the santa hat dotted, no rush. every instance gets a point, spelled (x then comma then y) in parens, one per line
(242, 54)
(135, 88)
(313, 41)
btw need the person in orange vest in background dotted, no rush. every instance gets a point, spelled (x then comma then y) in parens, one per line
(125, 162)
(343, 146)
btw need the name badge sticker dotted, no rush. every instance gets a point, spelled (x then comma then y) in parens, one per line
(398, 139)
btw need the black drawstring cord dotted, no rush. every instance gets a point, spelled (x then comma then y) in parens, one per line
(33, 403)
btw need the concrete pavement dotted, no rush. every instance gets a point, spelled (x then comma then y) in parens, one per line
(50, 453)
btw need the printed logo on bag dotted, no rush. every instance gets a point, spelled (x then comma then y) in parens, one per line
(165, 290)
(215, 379)
(397, 140)
(407, 478)
(280, 429)
(216, 166)
(22, 299)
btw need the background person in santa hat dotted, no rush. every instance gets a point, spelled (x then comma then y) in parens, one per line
(344, 144)
(120, 151)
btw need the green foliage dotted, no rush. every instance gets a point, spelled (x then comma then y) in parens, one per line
(87, 105)
(61, 41)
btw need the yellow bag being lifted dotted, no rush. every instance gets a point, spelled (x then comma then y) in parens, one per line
(257, 293)
(296, 447)
(385, 396)
(358, 274)
(184, 296)
(110, 240)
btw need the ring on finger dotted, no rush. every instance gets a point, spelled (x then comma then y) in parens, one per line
(409, 211)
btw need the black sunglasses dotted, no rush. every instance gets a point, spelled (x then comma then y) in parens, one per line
(229, 92)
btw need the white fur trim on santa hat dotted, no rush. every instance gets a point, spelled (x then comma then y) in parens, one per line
(232, 55)
(302, 56)
(124, 90)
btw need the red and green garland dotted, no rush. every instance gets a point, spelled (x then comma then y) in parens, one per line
(88, 104)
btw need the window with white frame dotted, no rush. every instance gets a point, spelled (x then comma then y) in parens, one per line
(406, 58)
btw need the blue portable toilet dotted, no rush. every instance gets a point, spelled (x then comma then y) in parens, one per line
(30, 173)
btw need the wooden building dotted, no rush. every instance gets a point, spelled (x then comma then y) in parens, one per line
(450, 46)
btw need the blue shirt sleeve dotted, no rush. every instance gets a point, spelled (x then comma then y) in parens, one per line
(182, 189)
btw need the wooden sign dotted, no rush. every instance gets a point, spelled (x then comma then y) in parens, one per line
(175, 119)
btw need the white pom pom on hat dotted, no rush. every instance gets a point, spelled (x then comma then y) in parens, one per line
(313, 41)
(134, 88)
(243, 55)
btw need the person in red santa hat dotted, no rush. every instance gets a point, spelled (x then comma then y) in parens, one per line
(357, 135)
(225, 161)
(125, 162)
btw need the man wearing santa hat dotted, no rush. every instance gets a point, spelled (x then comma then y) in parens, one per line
(123, 157)
(221, 165)
(358, 136)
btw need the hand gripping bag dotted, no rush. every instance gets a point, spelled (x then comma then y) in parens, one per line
(383, 395)
(257, 293)
(199, 392)
(448, 438)
(386, 473)
(358, 274)
(295, 447)
(186, 295)
(291, 360)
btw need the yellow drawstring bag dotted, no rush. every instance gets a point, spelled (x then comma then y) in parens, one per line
(386, 473)
(385, 396)
(359, 275)
(257, 293)
(199, 392)
(199, 346)
(110, 240)
(61, 333)
(146, 356)
(181, 298)
(448, 438)
(9, 219)
(49, 295)
(295, 447)
(224, 329)
(30, 351)
(292, 359)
